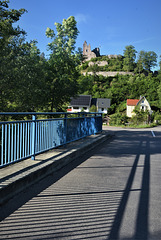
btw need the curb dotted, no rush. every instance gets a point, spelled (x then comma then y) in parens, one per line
(13, 186)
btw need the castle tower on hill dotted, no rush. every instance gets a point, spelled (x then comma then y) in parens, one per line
(88, 54)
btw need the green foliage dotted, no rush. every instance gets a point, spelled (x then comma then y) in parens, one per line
(140, 117)
(29, 82)
(118, 119)
(65, 38)
(93, 108)
(114, 64)
(21, 68)
(7, 18)
(157, 117)
(122, 87)
(146, 60)
(62, 71)
(129, 58)
(159, 94)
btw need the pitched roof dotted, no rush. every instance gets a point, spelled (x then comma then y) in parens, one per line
(81, 100)
(101, 102)
(132, 102)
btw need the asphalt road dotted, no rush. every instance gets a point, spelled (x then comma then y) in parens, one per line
(113, 192)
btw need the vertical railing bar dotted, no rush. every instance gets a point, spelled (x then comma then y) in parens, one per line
(33, 136)
(46, 135)
(2, 145)
(41, 135)
(36, 144)
(65, 128)
(15, 142)
(49, 134)
(31, 132)
(9, 143)
(5, 144)
(12, 144)
(23, 140)
(18, 140)
(26, 139)
(53, 142)
(37, 136)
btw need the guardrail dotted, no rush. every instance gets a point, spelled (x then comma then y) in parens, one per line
(27, 138)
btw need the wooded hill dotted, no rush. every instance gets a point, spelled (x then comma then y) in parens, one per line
(139, 80)
(30, 81)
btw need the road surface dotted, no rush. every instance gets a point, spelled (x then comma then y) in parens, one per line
(114, 192)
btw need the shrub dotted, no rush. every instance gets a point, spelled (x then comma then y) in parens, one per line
(118, 119)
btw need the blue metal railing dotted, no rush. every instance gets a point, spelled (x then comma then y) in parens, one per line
(26, 138)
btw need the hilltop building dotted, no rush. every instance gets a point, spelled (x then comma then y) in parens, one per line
(88, 54)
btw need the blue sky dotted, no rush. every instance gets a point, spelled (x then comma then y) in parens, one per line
(108, 24)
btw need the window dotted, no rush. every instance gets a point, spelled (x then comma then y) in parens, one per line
(102, 109)
(76, 108)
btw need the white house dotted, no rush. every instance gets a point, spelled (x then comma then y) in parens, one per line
(132, 103)
(84, 102)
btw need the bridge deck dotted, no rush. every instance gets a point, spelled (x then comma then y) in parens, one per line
(113, 193)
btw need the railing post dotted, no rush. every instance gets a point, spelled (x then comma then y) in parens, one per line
(65, 128)
(33, 143)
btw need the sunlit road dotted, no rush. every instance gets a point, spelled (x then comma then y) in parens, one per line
(113, 193)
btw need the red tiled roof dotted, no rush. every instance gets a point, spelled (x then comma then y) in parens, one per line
(132, 102)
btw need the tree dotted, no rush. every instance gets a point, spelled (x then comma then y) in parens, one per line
(147, 60)
(22, 86)
(129, 58)
(7, 18)
(30, 88)
(8, 51)
(159, 94)
(63, 64)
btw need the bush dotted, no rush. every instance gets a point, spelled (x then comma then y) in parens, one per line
(157, 118)
(93, 108)
(118, 119)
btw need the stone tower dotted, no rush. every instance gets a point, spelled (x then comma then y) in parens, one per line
(88, 54)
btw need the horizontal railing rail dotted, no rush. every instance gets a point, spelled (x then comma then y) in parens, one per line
(21, 139)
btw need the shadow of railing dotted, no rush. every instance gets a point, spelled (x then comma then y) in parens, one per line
(97, 213)
(141, 230)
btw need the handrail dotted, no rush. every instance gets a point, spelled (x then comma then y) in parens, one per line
(21, 139)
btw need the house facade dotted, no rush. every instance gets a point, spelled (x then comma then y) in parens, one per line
(132, 103)
(84, 102)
